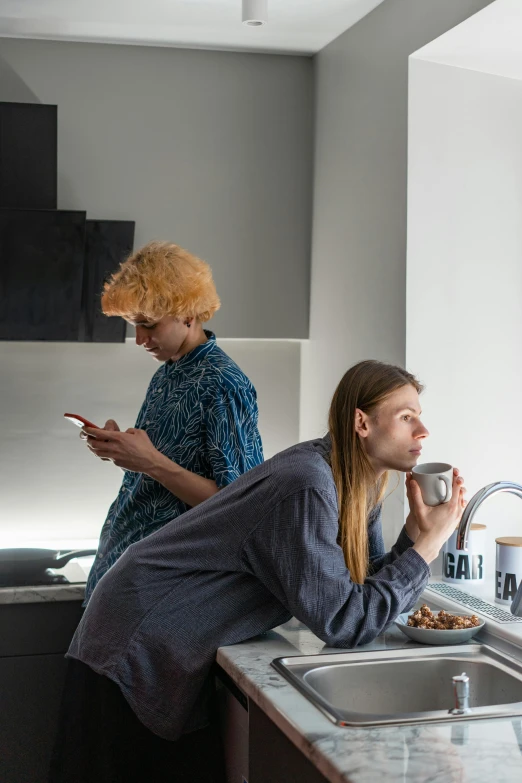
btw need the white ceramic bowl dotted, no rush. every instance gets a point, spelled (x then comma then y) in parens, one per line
(433, 635)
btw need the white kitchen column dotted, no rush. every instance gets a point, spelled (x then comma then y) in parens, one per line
(464, 260)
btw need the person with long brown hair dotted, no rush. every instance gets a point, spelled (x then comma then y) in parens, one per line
(299, 535)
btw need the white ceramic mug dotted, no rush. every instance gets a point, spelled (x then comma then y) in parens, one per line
(508, 568)
(435, 480)
(463, 566)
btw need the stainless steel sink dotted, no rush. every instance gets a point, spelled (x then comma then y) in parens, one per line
(406, 686)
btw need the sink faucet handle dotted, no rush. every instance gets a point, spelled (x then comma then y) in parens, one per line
(461, 691)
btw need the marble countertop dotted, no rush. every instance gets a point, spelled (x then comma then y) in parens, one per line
(34, 594)
(477, 751)
(490, 750)
(75, 571)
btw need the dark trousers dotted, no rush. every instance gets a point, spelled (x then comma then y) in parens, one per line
(100, 740)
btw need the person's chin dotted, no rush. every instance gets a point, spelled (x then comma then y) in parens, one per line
(405, 465)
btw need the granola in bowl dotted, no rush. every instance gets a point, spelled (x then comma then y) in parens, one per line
(443, 621)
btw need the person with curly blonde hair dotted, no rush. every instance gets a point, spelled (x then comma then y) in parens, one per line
(197, 428)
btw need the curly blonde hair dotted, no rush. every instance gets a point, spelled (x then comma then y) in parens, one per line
(158, 280)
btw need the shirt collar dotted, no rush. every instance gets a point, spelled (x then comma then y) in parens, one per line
(324, 446)
(195, 356)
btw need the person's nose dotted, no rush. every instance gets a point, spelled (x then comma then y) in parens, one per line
(421, 431)
(141, 336)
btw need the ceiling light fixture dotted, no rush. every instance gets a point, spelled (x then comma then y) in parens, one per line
(255, 13)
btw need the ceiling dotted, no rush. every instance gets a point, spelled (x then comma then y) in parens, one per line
(295, 26)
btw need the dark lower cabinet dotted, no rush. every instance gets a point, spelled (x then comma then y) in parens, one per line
(33, 641)
(272, 757)
(233, 714)
(30, 692)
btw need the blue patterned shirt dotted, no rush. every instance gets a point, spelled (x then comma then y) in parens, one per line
(201, 412)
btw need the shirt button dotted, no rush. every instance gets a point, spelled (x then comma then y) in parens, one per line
(147, 422)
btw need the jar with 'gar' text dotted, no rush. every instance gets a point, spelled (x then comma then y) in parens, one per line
(461, 566)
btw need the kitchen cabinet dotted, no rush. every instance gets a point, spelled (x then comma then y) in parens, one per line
(30, 693)
(107, 244)
(28, 155)
(53, 262)
(33, 640)
(233, 713)
(273, 757)
(256, 751)
(41, 273)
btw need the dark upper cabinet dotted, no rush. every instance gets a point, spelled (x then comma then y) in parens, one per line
(107, 244)
(53, 263)
(41, 274)
(28, 155)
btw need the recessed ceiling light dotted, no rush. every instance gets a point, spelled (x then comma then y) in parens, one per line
(255, 13)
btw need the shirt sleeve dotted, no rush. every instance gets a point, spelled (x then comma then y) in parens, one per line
(294, 553)
(378, 555)
(232, 439)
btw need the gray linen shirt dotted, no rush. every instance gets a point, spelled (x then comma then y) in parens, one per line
(258, 552)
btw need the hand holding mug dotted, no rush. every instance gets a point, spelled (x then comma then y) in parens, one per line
(436, 523)
(435, 480)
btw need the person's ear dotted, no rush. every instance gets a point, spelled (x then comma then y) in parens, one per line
(188, 322)
(361, 423)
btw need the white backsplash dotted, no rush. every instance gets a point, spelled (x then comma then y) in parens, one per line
(54, 492)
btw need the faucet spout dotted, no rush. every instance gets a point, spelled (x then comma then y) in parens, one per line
(469, 512)
(476, 501)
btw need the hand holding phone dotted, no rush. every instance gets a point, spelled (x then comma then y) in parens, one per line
(80, 421)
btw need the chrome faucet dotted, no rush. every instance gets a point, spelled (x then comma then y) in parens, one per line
(470, 511)
(461, 691)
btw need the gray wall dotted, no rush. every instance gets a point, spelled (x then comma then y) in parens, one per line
(212, 150)
(358, 290)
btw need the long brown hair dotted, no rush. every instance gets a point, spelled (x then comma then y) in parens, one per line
(364, 386)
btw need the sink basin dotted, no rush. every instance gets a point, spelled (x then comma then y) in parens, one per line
(406, 686)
